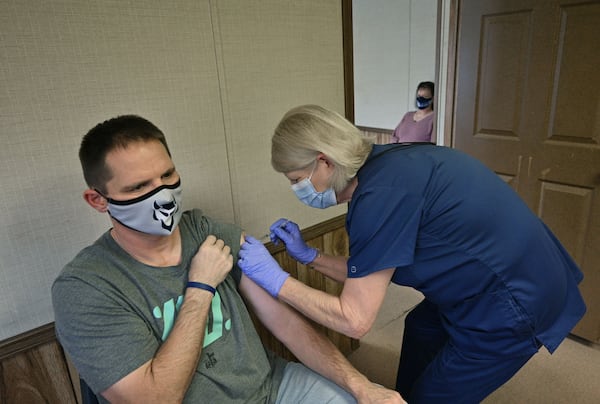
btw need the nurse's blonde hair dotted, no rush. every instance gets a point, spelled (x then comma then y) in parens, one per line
(308, 130)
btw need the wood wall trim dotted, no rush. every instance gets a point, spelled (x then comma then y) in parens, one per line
(348, 56)
(27, 340)
(451, 73)
(375, 130)
(312, 232)
(330, 237)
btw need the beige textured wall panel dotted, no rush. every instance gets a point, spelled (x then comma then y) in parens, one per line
(274, 55)
(215, 76)
(65, 66)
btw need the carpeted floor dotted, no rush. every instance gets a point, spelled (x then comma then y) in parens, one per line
(570, 375)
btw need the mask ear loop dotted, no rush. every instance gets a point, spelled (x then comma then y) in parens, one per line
(313, 170)
(102, 195)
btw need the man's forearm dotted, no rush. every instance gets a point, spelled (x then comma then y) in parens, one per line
(311, 346)
(167, 376)
(176, 360)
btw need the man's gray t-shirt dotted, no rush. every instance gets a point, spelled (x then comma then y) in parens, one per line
(112, 314)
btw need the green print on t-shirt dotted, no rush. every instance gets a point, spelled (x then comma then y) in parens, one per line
(214, 323)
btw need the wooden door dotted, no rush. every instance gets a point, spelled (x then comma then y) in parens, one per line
(527, 103)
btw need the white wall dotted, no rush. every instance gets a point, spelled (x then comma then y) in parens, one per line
(394, 50)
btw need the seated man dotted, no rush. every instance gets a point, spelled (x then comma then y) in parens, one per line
(153, 310)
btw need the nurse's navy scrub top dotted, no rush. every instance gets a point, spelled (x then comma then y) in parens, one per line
(459, 234)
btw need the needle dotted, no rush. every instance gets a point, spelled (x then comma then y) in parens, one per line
(267, 237)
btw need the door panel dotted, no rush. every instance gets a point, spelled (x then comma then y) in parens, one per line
(527, 104)
(566, 210)
(491, 84)
(502, 57)
(575, 116)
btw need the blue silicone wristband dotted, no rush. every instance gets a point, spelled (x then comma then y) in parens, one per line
(204, 286)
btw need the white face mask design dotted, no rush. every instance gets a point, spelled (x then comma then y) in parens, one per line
(158, 212)
(306, 192)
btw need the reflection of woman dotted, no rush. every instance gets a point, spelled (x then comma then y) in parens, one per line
(497, 284)
(417, 126)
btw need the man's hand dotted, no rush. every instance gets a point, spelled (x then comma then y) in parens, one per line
(289, 233)
(377, 394)
(257, 264)
(212, 262)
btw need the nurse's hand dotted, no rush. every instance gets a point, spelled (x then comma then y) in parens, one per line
(289, 233)
(257, 264)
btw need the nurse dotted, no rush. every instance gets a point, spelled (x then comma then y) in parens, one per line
(497, 283)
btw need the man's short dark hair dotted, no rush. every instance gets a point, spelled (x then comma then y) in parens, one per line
(103, 138)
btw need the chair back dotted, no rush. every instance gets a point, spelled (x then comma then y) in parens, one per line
(87, 395)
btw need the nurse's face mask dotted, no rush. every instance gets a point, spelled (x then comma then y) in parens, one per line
(158, 212)
(307, 194)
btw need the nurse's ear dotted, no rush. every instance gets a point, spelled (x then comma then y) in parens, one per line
(326, 160)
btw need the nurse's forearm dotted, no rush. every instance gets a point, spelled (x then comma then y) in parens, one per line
(322, 307)
(333, 267)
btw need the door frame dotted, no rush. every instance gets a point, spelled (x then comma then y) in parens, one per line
(448, 12)
(446, 50)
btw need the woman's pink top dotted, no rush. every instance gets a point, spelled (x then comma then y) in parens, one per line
(409, 130)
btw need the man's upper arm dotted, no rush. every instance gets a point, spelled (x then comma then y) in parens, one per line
(270, 311)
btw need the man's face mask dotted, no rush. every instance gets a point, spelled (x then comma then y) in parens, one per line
(423, 102)
(306, 192)
(158, 212)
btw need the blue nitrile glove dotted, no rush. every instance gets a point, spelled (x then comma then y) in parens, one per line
(257, 264)
(289, 233)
